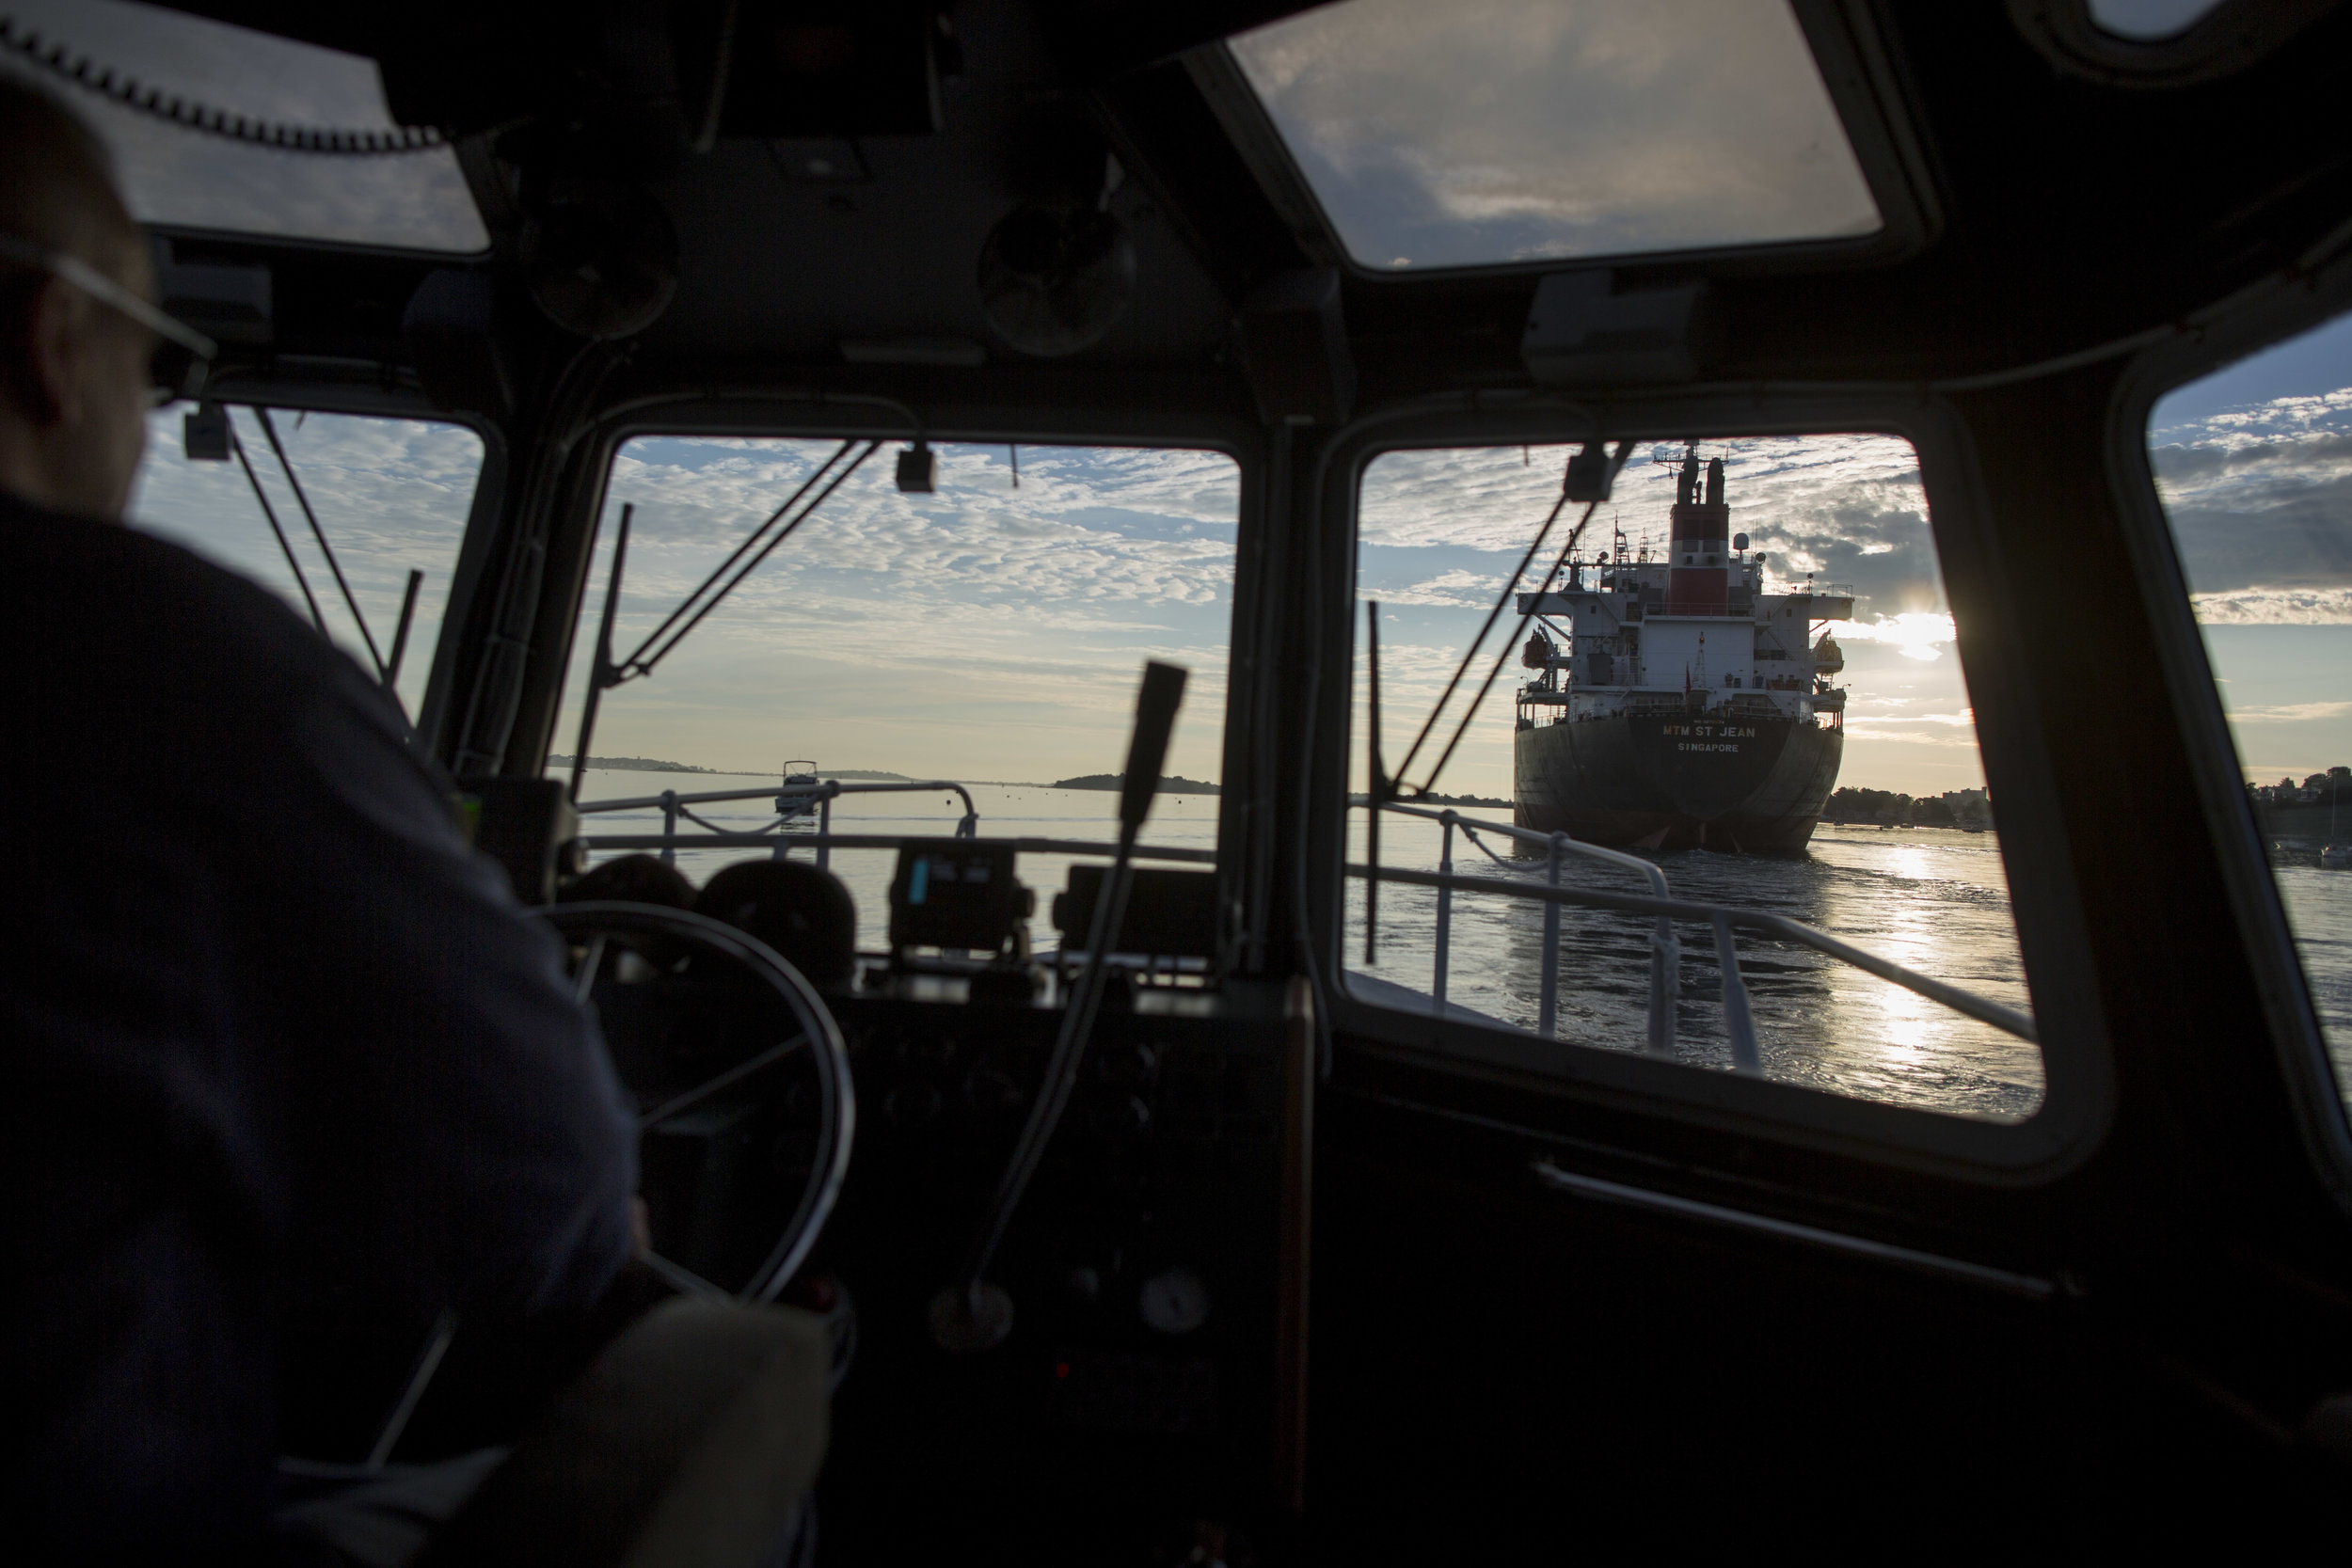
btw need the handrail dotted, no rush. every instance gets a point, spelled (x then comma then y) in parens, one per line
(790, 798)
(825, 791)
(883, 841)
(1723, 916)
(1648, 869)
(1666, 948)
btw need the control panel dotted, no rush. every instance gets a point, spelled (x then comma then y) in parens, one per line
(1136, 1402)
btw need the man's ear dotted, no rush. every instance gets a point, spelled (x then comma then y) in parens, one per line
(48, 326)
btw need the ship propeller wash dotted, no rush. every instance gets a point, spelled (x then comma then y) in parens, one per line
(1676, 705)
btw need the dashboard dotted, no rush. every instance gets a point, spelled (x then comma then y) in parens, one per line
(1149, 1396)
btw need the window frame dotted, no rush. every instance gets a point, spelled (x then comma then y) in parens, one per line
(2264, 317)
(1857, 71)
(476, 540)
(837, 417)
(2078, 1100)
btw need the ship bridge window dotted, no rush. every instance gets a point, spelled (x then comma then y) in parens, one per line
(2250, 463)
(1806, 752)
(987, 636)
(181, 176)
(1487, 132)
(335, 512)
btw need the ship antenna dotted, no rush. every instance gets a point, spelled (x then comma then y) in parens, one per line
(1378, 781)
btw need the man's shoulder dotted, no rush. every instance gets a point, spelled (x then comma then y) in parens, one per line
(138, 591)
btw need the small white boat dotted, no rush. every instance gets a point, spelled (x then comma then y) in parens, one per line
(799, 773)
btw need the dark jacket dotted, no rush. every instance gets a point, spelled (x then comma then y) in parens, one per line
(287, 1072)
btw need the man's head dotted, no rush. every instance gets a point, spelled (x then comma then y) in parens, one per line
(74, 376)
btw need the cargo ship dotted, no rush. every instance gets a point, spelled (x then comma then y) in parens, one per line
(1674, 704)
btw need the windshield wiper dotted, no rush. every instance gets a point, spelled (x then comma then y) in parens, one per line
(606, 673)
(387, 670)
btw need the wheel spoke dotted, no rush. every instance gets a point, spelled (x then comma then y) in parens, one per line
(733, 1075)
(679, 1278)
(592, 927)
(584, 979)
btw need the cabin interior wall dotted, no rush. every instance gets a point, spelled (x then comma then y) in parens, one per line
(570, 547)
(473, 569)
(497, 634)
(1516, 1361)
(2200, 1109)
(1503, 1374)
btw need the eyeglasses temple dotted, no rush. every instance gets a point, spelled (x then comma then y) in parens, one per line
(106, 292)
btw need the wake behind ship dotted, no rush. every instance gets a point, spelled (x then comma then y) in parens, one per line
(1676, 704)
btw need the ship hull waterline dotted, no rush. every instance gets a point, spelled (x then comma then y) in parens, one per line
(1744, 785)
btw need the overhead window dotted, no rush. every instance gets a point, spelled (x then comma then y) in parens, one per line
(181, 176)
(2149, 20)
(1737, 685)
(2254, 463)
(1483, 131)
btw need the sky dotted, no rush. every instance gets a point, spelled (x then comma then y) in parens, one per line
(390, 496)
(980, 632)
(1486, 131)
(987, 632)
(2254, 463)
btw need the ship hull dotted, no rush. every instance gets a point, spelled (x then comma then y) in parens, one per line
(1669, 780)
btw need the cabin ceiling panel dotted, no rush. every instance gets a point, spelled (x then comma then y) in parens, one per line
(771, 266)
(2072, 213)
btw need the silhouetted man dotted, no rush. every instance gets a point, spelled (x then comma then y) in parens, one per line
(288, 1076)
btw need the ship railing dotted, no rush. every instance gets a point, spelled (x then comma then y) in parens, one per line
(792, 801)
(1666, 951)
(1666, 948)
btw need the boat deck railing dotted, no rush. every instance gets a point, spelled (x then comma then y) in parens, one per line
(791, 801)
(1558, 850)
(1666, 948)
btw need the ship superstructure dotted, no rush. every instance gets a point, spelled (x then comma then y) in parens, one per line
(1676, 704)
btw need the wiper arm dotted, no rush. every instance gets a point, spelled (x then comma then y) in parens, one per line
(605, 672)
(269, 428)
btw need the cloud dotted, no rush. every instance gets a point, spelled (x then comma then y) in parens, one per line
(1844, 510)
(1129, 526)
(2275, 606)
(391, 495)
(982, 629)
(2260, 500)
(1914, 634)
(1002, 628)
(1964, 719)
(1898, 738)
(1491, 130)
(2290, 713)
(1454, 588)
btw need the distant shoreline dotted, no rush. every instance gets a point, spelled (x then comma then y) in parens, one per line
(655, 765)
(1169, 784)
(632, 765)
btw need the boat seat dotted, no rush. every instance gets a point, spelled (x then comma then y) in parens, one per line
(688, 1443)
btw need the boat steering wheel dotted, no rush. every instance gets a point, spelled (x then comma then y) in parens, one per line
(724, 1065)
